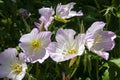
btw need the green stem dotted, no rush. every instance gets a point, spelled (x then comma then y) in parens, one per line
(97, 5)
(104, 65)
(97, 69)
(108, 17)
(26, 24)
(82, 30)
(37, 70)
(81, 25)
(30, 77)
(85, 61)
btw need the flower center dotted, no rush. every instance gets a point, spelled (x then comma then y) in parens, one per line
(97, 40)
(17, 68)
(71, 51)
(35, 44)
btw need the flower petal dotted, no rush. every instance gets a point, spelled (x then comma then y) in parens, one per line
(66, 35)
(45, 37)
(4, 71)
(8, 56)
(74, 13)
(38, 25)
(26, 48)
(46, 21)
(80, 42)
(64, 11)
(51, 47)
(46, 12)
(27, 37)
(58, 57)
(104, 55)
(107, 42)
(94, 27)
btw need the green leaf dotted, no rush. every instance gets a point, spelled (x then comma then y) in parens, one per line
(1, 1)
(105, 75)
(114, 69)
(116, 61)
(118, 14)
(87, 78)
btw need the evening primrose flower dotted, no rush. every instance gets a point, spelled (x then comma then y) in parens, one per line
(33, 45)
(46, 17)
(99, 41)
(66, 46)
(64, 12)
(11, 66)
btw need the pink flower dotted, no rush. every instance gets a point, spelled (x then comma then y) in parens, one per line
(99, 41)
(33, 45)
(66, 46)
(12, 66)
(46, 17)
(64, 11)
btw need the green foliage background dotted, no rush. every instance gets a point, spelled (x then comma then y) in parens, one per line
(88, 66)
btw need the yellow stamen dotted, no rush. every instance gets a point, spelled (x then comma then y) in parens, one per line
(17, 68)
(35, 44)
(72, 51)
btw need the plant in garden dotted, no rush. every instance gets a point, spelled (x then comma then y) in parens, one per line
(12, 66)
(62, 47)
